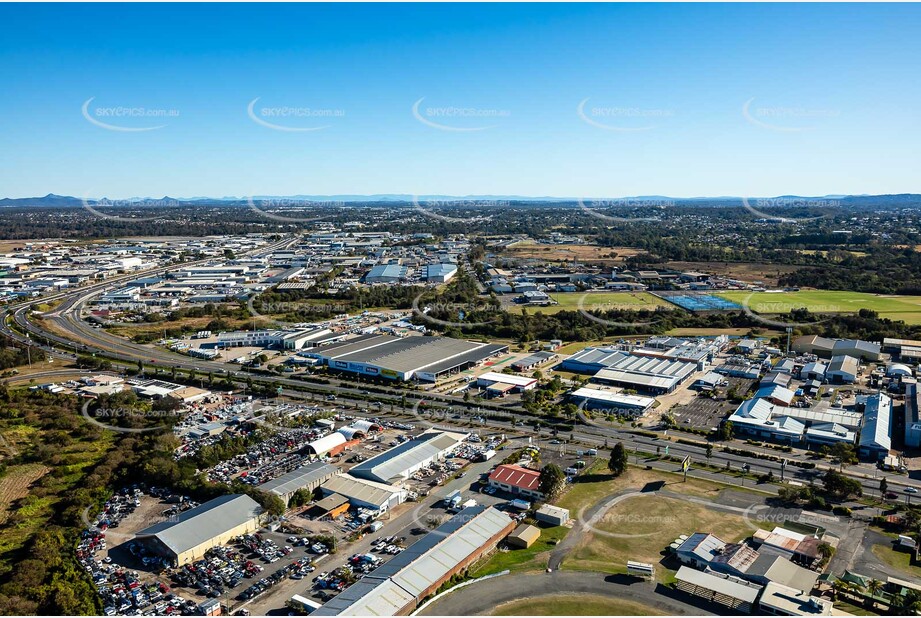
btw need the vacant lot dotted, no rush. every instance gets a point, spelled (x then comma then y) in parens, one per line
(529, 249)
(603, 301)
(641, 527)
(574, 605)
(746, 271)
(907, 308)
(15, 485)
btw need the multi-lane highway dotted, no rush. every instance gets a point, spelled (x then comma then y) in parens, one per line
(62, 330)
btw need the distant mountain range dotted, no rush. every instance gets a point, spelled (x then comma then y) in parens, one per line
(903, 200)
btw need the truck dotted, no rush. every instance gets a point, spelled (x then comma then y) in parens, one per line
(487, 455)
(302, 604)
(519, 504)
(453, 499)
(375, 526)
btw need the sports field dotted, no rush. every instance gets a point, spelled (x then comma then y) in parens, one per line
(569, 301)
(906, 308)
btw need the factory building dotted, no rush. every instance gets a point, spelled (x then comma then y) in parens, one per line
(876, 432)
(593, 398)
(426, 359)
(401, 461)
(307, 477)
(186, 538)
(397, 587)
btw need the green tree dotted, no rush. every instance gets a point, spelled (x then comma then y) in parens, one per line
(552, 481)
(617, 464)
(725, 432)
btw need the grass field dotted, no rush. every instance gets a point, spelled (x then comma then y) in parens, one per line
(574, 605)
(533, 558)
(529, 249)
(569, 301)
(907, 308)
(646, 525)
(897, 559)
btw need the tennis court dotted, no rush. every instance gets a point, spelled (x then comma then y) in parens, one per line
(702, 302)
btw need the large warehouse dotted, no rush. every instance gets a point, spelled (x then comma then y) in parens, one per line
(593, 398)
(642, 373)
(364, 493)
(406, 358)
(397, 587)
(307, 477)
(187, 538)
(403, 460)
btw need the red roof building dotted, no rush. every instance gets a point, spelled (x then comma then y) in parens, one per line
(516, 480)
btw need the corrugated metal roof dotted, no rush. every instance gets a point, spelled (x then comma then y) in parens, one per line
(510, 474)
(730, 588)
(361, 490)
(301, 477)
(877, 423)
(196, 526)
(396, 461)
(408, 575)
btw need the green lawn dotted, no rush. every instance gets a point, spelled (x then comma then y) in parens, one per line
(569, 301)
(907, 308)
(900, 560)
(533, 558)
(574, 605)
(641, 527)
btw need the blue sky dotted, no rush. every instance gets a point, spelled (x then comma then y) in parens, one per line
(676, 99)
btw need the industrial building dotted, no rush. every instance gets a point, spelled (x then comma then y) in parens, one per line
(553, 515)
(876, 432)
(516, 480)
(440, 273)
(733, 592)
(397, 587)
(842, 370)
(824, 347)
(363, 493)
(781, 600)
(912, 416)
(500, 384)
(649, 369)
(533, 361)
(186, 538)
(386, 273)
(281, 339)
(427, 359)
(401, 461)
(307, 477)
(593, 398)
(819, 425)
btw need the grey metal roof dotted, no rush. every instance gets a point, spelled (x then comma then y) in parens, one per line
(424, 563)
(722, 585)
(877, 423)
(196, 526)
(397, 460)
(360, 490)
(304, 476)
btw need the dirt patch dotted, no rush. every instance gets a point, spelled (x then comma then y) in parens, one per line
(15, 485)
(747, 271)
